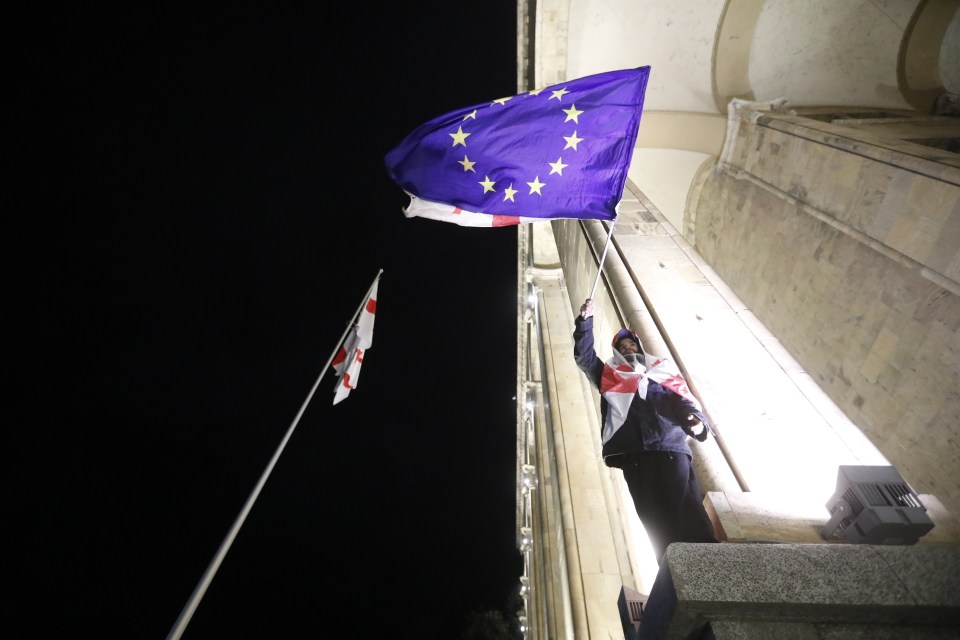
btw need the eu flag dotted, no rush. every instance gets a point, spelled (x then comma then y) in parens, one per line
(558, 152)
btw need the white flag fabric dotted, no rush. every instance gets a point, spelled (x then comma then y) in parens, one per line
(420, 208)
(350, 355)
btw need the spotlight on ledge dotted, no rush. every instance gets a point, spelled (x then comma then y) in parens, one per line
(875, 505)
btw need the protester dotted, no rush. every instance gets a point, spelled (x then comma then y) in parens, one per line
(646, 413)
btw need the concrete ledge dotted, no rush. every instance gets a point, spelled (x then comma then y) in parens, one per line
(822, 584)
(758, 517)
(744, 630)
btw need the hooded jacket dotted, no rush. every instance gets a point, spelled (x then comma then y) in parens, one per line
(642, 408)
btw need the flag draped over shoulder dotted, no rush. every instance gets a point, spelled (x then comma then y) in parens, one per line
(620, 382)
(558, 152)
(350, 354)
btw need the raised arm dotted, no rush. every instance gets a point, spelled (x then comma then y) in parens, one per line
(583, 348)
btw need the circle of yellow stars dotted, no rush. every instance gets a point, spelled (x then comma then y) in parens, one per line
(536, 187)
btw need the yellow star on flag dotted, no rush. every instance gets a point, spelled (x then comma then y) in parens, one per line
(460, 137)
(572, 114)
(572, 141)
(558, 166)
(535, 186)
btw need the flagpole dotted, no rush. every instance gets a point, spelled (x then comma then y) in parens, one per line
(606, 245)
(187, 613)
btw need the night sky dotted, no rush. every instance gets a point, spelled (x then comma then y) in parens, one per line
(202, 207)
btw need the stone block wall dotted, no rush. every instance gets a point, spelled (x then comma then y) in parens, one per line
(847, 247)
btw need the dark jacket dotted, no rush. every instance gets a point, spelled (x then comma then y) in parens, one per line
(657, 423)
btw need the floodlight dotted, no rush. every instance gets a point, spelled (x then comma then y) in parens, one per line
(875, 505)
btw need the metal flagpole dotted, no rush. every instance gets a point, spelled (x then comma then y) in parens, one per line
(181, 624)
(606, 245)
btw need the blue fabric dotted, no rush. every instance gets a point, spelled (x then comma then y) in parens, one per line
(574, 138)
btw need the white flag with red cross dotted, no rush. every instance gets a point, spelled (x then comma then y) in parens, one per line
(349, 357)
(620, 381)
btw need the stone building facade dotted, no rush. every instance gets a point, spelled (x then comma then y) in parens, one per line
(790, 234)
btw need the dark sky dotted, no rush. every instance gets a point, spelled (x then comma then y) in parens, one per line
(204, 206)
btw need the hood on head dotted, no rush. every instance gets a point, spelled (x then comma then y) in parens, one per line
(627, 333)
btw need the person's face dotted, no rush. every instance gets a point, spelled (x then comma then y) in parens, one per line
(627, 346)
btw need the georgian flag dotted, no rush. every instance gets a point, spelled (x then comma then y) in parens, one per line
(350, 355)
(620, 382)
(419, 208)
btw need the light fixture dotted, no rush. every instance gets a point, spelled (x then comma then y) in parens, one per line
(528, 478)
(526, 539)
(875, 505)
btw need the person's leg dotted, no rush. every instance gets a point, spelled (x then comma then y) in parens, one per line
(653, 498)
(693, 523)
(666, 495)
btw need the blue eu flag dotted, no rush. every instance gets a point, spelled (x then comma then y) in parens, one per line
(558, 152)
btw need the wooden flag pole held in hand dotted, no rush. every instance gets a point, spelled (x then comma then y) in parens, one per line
(184, 619)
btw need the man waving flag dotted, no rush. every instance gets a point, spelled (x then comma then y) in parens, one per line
(558, 152)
